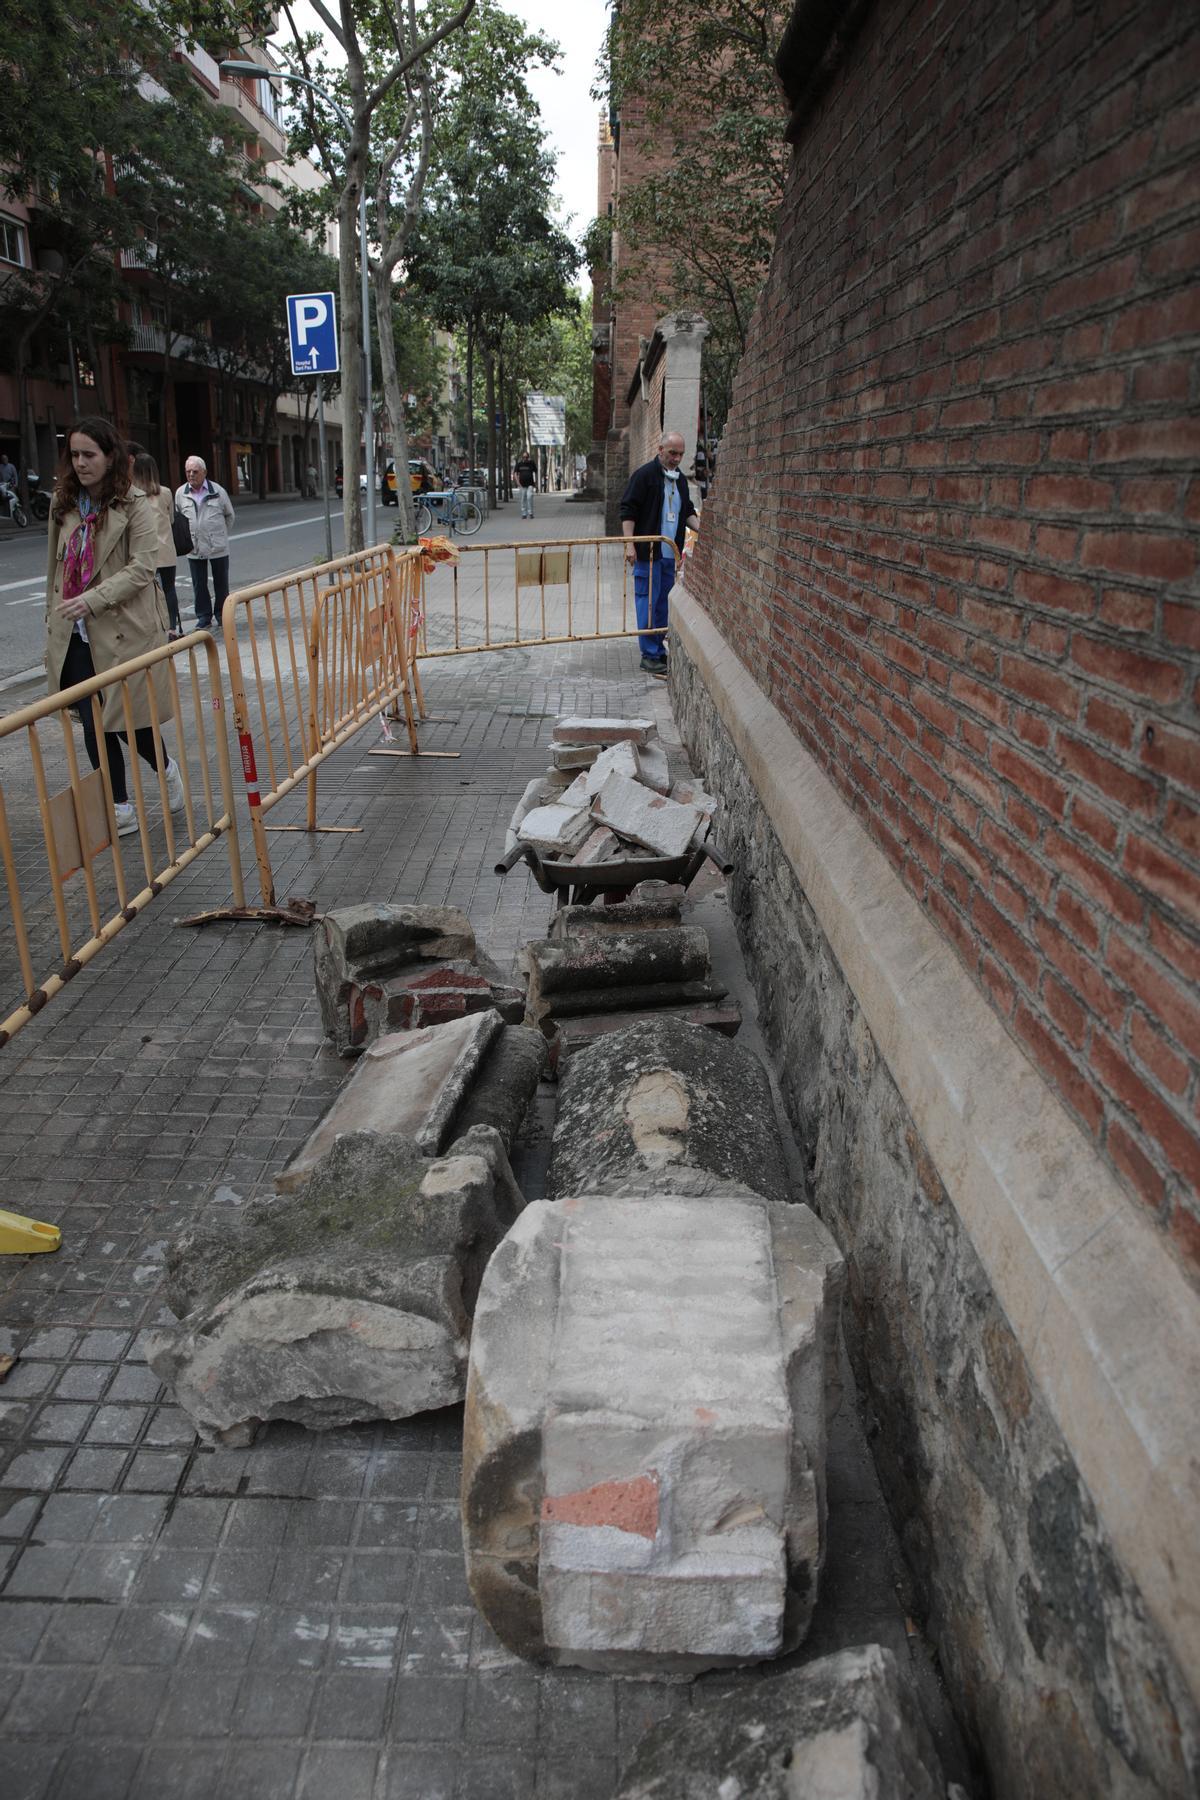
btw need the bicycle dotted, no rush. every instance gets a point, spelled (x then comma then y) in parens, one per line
(450, 508)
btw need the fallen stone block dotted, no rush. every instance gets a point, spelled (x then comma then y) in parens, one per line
(645, 1429)
(349, 1299)
(446, 991)
(358, 949)
(622, 916)
(660, 1102)
(408, 1084)
(650, 819)
(555, 830)
(604, 731)
(688, 792)
(516, 1060)
(845, 1727)
(652, 768)
(569, 1035)
(651, 997)
(602, 962)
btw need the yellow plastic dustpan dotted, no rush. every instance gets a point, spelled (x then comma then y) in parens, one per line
(20, 1236)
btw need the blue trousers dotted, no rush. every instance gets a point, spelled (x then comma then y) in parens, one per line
(652, 583)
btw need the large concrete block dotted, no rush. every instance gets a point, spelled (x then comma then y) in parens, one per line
(408, 1084)
(395, 968)
(846, 1727)
(666, 1102)
(602, 965)
(645, 1431)
(349, 1299)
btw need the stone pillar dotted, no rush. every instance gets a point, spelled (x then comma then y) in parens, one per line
(683, 333)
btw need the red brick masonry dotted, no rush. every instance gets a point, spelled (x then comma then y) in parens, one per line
(956, 528)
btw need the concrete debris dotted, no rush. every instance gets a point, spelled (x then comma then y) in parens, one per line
(645, 1430)
(634, 914)
(515, 1061)
(599, 847)
(601, 965)
(389, 968)
(649, 819)
(659, 1103)
(604, 731)
(557, 830)
(572, 1034)
(349, 1299)
(845, 1727)
(618, 759)
(574, 756)
(408, 1084)
(652, 769)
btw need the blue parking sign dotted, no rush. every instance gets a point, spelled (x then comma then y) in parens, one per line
(312, 327)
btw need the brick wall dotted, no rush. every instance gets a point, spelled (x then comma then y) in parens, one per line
(956, 527)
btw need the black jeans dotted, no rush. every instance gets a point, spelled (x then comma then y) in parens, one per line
(78, 666)
(205, 608)
(166, 577)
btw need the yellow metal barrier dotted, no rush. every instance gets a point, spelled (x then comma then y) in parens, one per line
(79, 824)
(506, 596)
(327, 649)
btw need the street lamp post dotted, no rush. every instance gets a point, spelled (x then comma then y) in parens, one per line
(236, 67)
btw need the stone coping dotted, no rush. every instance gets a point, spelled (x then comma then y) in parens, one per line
(1102, 1311)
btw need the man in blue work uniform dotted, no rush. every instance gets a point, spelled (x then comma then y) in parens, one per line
(656, 503)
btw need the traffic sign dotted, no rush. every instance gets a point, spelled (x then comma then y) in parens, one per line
(312, 327)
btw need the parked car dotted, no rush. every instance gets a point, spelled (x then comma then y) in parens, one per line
(473, 478)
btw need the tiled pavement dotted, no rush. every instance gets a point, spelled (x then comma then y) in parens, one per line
(290, 1619)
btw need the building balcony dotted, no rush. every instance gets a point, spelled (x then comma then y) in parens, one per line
(254, 119)
(139, 256)
(203, 66)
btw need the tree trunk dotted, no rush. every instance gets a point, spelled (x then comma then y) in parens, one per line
(505, 446)
(351, 359)
(471, 398)
(490, 368)
(390, 376)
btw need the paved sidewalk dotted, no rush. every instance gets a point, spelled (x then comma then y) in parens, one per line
(291, 1619)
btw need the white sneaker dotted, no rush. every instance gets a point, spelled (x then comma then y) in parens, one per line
(126, 817)
(175, 795)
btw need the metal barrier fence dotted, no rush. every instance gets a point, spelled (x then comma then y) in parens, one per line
(175, 814)
(326, 649)
(311, 657)
(505, 596)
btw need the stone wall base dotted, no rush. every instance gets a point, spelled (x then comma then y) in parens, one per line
(1027, 1344)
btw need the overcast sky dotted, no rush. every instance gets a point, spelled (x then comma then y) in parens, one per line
(571, 116)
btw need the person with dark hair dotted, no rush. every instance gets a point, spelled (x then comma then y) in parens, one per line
(103, 604)
(143, 471)
(526, 470)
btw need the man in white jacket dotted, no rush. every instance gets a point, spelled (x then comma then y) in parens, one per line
(209, 513)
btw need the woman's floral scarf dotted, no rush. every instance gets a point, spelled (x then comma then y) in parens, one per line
(80, 562)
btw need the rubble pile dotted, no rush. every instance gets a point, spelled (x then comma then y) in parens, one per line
(608, 798)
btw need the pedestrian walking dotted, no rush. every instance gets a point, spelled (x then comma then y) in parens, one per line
(656, 503)
(209, 512)
(525, 470)
(143, 471)
(103, 604)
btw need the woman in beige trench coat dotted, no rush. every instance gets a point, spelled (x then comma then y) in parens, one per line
(103, 604)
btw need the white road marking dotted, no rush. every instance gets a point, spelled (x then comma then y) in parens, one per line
(6, 587)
